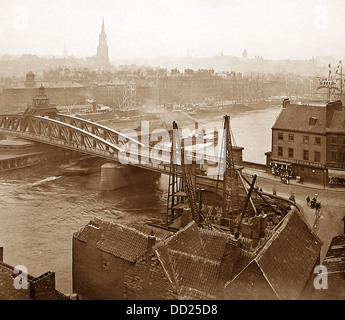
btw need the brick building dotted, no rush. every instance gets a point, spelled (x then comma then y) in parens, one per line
(207, 86)
(17, 96)
(308, 141)
(118, 94)
(113, 261)
(146, 93)
(38, 288)
(334, 263)
(336, 143)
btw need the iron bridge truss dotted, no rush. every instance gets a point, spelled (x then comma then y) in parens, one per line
(69, 132)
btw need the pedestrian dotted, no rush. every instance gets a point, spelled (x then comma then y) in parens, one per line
(308, 200)
(292, 198)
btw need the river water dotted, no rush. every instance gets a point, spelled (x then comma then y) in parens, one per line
(40, 211)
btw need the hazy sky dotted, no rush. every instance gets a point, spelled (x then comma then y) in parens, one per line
(274, 29)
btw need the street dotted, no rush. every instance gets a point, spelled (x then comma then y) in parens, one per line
(329, 224)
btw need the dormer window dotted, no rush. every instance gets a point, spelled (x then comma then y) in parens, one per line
(312, 121)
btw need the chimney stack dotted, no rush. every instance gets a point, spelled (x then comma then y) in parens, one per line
(286, 102)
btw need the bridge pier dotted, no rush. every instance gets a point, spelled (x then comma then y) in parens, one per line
(115, 176)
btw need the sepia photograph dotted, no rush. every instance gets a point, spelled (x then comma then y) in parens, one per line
(172, 154)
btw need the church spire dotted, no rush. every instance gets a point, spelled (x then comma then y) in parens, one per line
(103, 28)
(102, 49)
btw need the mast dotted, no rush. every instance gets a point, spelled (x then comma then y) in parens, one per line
(329, 87)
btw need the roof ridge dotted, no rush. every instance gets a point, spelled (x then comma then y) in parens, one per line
(114, 223)
(195, 257)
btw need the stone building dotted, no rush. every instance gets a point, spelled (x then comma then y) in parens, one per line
(34, 288)
(308, 141)
(113, 261)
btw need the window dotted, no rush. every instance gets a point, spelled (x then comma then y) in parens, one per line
(343, 157)
(305, 139)
(317, 156)
(280, 151)
(305, 154)
(312, 121)
(333, 156)
(343, 140)
(334, 140)
(291, 137)
(317, 141)
(290, 153)
(280, 136)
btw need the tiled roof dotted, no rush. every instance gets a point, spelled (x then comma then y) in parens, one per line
(295, 117)
(185, 261)
(163, 255)
(119, 240)
(288, 257)
(249, 284)
(187, 293)
(195, 272)
(123, 242)
(159, 233)
(244, 258)
(335, 257)
(187, 240)
(282, 266)
(82, 234)
(214, 243)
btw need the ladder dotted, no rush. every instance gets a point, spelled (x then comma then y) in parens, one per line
(181, 190)
(231, 202)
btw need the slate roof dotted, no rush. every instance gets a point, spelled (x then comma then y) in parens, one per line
(47, 85)
(335, 257)
(295, 117)
(288, 257)
(337, 124)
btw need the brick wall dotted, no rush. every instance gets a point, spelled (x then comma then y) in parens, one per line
(147, 281)
(97, 275)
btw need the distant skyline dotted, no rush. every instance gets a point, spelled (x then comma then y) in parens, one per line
(137, 29)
